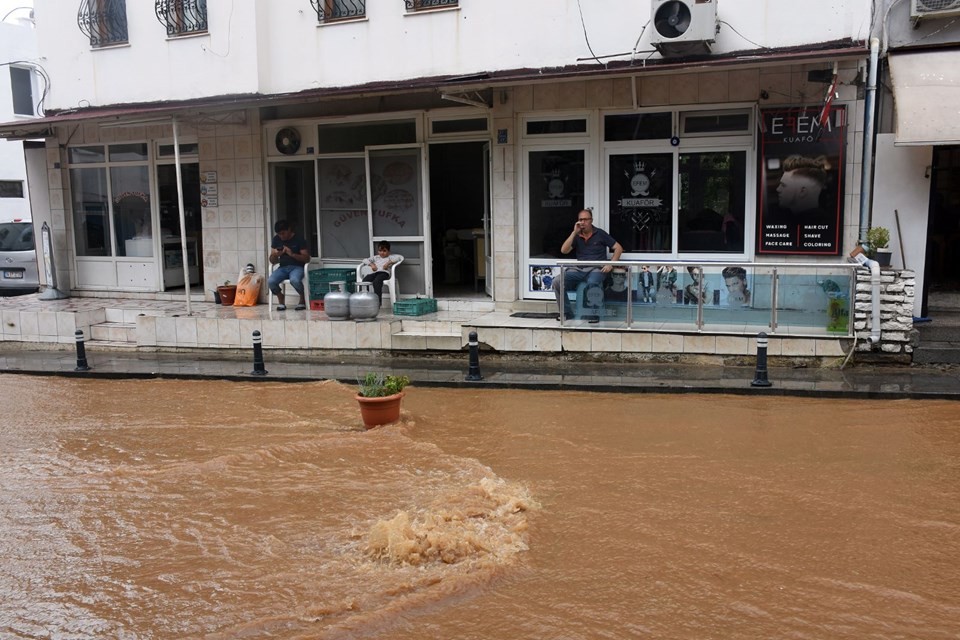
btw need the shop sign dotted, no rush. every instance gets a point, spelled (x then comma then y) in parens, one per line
(800, 185)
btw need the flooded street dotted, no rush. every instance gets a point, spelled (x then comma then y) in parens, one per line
(186, 509)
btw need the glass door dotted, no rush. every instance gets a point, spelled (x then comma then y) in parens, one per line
(555, 192)
(399, 211)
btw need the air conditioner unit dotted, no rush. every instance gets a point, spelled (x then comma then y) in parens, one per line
(934, 8)
(290, 140)
(683, 27)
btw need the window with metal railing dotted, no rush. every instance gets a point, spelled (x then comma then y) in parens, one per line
(104, 22)
(422, 5)
(182, 17)
(336, 10)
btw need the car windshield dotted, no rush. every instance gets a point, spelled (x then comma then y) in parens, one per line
(16, 236)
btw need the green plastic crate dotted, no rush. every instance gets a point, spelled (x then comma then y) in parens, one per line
(414, 307)
(320, 280)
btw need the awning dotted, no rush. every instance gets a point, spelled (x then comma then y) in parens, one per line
(926, 88)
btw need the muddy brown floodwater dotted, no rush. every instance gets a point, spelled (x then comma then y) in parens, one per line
(172, 509)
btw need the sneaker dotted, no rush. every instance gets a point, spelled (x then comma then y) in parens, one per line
(300, 307)
(281, 307)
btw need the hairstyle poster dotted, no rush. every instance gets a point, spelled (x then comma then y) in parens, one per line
(542, 276)
(800, 209)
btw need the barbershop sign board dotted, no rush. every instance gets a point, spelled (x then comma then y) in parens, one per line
(800, 186)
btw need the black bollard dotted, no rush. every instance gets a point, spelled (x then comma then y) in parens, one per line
(473, 374)
(81, 353)
(760, 377)
(258, 369)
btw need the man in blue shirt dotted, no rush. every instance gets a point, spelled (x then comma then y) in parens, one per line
(588, 243)
(290, 252)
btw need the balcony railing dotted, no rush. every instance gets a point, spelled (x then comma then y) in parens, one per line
(182, 17)
(333, 10)
(419, 5)
(795, 299)
(103, 21)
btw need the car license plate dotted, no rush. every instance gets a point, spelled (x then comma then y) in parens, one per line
(13, 274)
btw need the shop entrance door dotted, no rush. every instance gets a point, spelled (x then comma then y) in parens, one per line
(399, 211)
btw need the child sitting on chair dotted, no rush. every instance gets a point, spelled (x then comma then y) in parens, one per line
(380, 263)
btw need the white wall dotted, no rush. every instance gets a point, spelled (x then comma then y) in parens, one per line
(17, 42)
(902, 183)
(275, 47)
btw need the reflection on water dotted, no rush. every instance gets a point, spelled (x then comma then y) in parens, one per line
(170, 509)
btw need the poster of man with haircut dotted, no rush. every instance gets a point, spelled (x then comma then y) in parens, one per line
(800, 209)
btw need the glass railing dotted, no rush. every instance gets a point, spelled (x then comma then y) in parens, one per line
(735, 298)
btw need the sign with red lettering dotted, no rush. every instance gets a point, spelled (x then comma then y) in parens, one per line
(800, 208)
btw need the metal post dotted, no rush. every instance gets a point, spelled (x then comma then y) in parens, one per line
(258, 369)
(473, 374)
(81, 353)
(49, 266)
(760, 377)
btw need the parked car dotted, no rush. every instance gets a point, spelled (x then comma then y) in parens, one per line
(18, 258)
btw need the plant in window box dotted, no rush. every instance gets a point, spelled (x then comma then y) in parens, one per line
(379, 396)
(227, 292)
(878, 241)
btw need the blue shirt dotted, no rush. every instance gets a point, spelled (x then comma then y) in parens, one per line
(595, 248)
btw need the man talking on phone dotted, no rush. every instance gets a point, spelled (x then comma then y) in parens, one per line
(588, 243)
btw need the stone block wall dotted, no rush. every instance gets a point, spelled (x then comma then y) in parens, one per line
(896, 311)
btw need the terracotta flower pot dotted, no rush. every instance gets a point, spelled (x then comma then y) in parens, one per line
(227, 293)
(380, 411)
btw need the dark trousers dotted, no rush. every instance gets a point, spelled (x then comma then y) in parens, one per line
(377, 278)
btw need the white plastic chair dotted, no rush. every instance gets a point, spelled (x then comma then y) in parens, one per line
(364, 269)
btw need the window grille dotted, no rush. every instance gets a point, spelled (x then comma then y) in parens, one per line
(182, 17)
(103, 21)
(418, 5)
(333, 10)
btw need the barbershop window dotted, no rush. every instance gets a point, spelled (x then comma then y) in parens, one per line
(111, 200)
(556, 180)
(556, 127)
(711, 209)
(676, 199)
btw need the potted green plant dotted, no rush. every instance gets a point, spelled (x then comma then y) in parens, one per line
(379, 396)
(228, 292)
(878, 241)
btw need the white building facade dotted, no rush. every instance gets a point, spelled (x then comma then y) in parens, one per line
(468, 134)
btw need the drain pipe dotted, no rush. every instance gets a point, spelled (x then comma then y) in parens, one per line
(869, 118)
(866, 188)
(874, 267)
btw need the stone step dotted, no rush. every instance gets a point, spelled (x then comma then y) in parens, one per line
(935, 331)
(937, 353)
(92, 346)
(424, 340)
(114, 332)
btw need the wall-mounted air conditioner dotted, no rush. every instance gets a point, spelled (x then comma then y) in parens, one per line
(290, 140)
(683, 27)
(934, 8)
